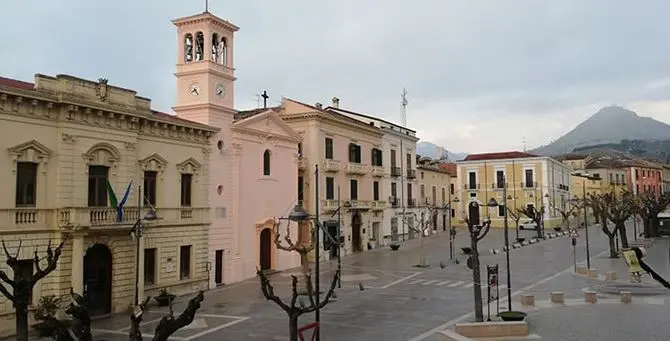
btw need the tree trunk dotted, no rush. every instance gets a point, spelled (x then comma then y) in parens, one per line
(293, 327)
(21, 322)
(647, 227)
(653, 226)
(612, 238)
(476, 277)
(623, 235)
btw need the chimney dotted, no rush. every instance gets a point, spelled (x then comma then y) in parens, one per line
(318, 105)
(336, 102)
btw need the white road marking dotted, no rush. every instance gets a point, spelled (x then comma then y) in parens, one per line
(399, 281)
(442, 283)
(430, 282)
(503, 301)
(417, 281)
(456, 284)
(469, 285)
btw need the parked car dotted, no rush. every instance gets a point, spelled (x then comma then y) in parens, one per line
(528, 225)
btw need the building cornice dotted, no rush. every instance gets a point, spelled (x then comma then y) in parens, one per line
(63, 107)
(331, 119)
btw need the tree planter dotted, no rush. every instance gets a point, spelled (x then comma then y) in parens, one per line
(395, 247)
(164, 300)
(557, 229)
(520, 240)
(512, 316)
(467, 250)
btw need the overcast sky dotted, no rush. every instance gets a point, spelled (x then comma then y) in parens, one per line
(481, 75)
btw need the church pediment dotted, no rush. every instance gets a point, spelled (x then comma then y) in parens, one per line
(268, 123)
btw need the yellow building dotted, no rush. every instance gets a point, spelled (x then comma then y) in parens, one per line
(434, 185)
(531, 181)
(575, 161)
(65, 139)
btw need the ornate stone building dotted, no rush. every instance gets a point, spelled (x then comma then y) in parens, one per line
(68, 143)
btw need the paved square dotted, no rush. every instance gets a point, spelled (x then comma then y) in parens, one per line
(202, 324)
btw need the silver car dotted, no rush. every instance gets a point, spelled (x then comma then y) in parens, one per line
(528, 225)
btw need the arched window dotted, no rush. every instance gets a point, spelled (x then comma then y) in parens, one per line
(223, 52)
(199, 46)
(215, 47)
(266, 162)
(188, 48)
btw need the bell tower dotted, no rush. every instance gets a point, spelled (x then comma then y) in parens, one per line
(205, 73)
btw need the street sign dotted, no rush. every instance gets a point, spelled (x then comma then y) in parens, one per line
(574, 233)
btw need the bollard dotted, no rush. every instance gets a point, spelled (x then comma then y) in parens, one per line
(582, 270)
(590, 297)
(593, 273)
(528, 300)
(626, 297)
(557, 297)
(611, 276)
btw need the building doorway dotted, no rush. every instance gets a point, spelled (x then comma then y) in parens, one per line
(266, 250)
(98, 279)
(218, 267)
(356, 232)
(435, 221)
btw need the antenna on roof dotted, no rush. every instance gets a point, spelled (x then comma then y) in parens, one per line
(403, 112)
(206, 6)
(258, 101)
(524, 144)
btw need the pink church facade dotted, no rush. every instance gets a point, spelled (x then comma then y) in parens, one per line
(254, 159)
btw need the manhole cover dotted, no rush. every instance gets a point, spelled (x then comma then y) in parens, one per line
(634, 289)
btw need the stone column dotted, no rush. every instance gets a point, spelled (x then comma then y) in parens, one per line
(77, 278)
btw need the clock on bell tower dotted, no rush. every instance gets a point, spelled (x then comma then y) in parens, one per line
(205, 73)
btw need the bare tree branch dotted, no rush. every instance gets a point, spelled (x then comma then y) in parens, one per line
(168, 324)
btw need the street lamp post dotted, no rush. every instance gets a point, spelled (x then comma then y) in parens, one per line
(452, 233)
(136, 231)
(586, 176)
(493, 202)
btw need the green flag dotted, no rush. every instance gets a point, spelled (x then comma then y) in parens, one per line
(112, 196)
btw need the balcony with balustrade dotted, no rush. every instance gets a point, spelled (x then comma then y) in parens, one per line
(411, 173)
(360, 204)
(378, 171)
(329, 205)
(378, 205)
(96, 217)
(396, 171)
(394, 202)
(411, 202)
(330, 165)
(357, 168)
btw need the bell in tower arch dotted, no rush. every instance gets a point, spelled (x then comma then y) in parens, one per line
(223, 51)
(199, 46)
(215, 47)
(188, 48)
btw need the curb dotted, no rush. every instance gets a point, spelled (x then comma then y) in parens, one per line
(532, 241)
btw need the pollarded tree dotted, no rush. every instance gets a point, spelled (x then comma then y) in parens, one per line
(23, 282)
(535, 215)
(566, 211)
(620, 209)
(649, 205)
(296, 305)
(601, 204)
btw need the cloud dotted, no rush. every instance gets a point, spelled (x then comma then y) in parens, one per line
(482, 75)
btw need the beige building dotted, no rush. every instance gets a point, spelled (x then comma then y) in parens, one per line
(434, 194)
(531, 181)
(65, 138)
(344, 149)
(612, 174)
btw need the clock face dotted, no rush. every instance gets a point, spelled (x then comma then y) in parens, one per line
(194, 89)
(220, 90)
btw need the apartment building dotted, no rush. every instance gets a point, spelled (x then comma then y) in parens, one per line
(643, 176)
(434, 193)
(530, 180)
(73, 147)
(348, 154)
(397, 176)
(611, 172)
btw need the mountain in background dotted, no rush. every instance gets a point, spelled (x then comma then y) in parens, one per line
(610, 125)
(434, 151)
